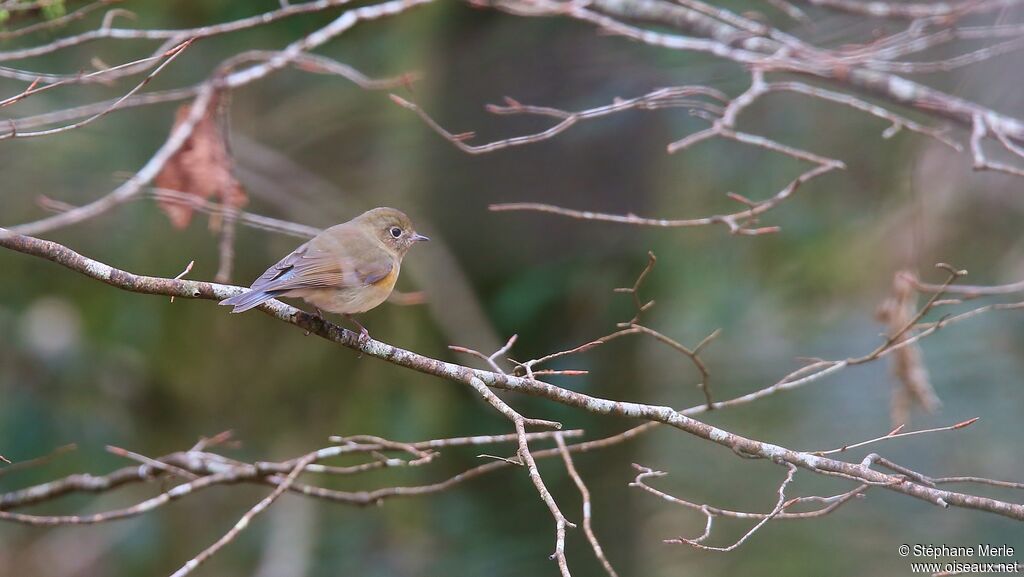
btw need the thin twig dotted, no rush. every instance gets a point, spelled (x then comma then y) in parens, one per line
(246, 519)
(898, 433)
(587, 513)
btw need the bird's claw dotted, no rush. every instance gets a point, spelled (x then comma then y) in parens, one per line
(319, 315)
(364, 335)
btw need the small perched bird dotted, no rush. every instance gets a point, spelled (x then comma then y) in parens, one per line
(347, 269)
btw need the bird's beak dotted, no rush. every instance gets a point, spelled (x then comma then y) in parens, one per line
(416, 237)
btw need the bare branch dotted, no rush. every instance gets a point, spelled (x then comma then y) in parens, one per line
(779, 506)
(246, 519)
(897, 433)
(480, 380)
(56, 22)
(20, 465)
(170, 56)
(585, 494)
(877, 66)
(914, 10)
(831, 503)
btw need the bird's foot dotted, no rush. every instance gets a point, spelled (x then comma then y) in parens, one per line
(364, 335)
(319, 315)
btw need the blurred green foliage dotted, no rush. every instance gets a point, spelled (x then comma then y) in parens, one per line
(144, 374)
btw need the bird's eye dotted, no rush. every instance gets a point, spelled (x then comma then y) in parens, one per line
(395, 231)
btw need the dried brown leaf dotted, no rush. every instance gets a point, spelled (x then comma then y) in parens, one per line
(201, 167)
(913, 383)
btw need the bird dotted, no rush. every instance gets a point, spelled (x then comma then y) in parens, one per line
(347, 269)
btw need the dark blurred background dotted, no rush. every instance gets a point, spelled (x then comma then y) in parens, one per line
(83, 363)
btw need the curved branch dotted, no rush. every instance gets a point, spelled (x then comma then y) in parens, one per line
(861, 472)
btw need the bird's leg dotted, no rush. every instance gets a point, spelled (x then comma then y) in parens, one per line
(364, 335)
(319, 315)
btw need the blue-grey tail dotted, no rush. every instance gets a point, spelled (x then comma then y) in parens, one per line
(248, 300)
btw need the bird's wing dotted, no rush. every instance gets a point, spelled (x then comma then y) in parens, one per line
(338, 258)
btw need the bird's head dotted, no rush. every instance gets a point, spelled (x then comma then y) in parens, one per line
(392, 227)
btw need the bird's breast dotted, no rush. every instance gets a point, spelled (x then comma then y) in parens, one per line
(350, 300)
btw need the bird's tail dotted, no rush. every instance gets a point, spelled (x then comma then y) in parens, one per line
(248, 300)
